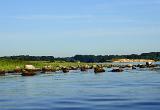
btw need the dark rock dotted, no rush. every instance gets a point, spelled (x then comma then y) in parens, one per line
(2, 73)
(65, 70)
(10, 71)
(99, 70)
(28, 73)
(141, 66)
(133, 67)
(83, 69)
(148, 63)
(153, 66)
(117, 70)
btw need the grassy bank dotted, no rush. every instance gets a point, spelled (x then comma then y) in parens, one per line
(6, 64)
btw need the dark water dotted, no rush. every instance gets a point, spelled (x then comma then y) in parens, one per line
(129, 90)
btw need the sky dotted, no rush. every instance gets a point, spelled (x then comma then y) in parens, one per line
(68, 27)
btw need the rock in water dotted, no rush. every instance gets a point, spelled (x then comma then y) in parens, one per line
(28, 73)
(129, 65)
(133, 67)
(65, 70)
(99, 70)
(29, 67)
(117, 70)
(48, 69)
(2, 73)
(17, 69)
(148, 63)
(141, 66)
(83, 68)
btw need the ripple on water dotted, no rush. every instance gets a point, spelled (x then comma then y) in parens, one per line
(128, 90)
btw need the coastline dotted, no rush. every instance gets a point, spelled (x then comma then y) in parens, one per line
(30, 67)
(131, 60)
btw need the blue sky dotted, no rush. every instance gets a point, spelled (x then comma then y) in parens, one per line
(69, 27)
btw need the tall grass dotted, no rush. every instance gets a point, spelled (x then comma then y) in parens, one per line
(6, 64)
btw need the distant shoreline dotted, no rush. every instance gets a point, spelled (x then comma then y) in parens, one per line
(90, 58)
(132, 60)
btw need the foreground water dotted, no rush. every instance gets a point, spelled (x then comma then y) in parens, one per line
(129, 90)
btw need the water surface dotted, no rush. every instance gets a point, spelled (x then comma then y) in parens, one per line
(129, 90)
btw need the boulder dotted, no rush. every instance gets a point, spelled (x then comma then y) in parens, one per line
(129, 65)
(133, 67)
(148, 63)
(151, 65)
(28, 73)
(83, 68)
(48, 69)
(17, 69)
(94, 66)
(141, 66)
(117, 70)
(65, 70)
(73, 68)
(99, 70)
(29, 67)
(87, 66)
(57, 68)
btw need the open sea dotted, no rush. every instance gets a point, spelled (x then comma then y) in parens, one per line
(129, 90)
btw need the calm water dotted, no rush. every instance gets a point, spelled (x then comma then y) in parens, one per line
(129, 90)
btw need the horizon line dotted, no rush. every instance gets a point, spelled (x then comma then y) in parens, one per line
(79, 54)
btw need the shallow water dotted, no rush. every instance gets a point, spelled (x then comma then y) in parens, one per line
(129, 90)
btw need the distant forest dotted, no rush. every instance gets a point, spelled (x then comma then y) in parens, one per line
(86, 58)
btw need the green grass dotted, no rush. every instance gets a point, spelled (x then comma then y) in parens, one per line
(11, 64)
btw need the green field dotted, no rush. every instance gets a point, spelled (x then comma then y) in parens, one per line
(11, 64)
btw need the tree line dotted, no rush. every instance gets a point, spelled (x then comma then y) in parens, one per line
(86, 58)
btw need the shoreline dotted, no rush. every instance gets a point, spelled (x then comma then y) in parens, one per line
(31, 67)
(132, 60)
